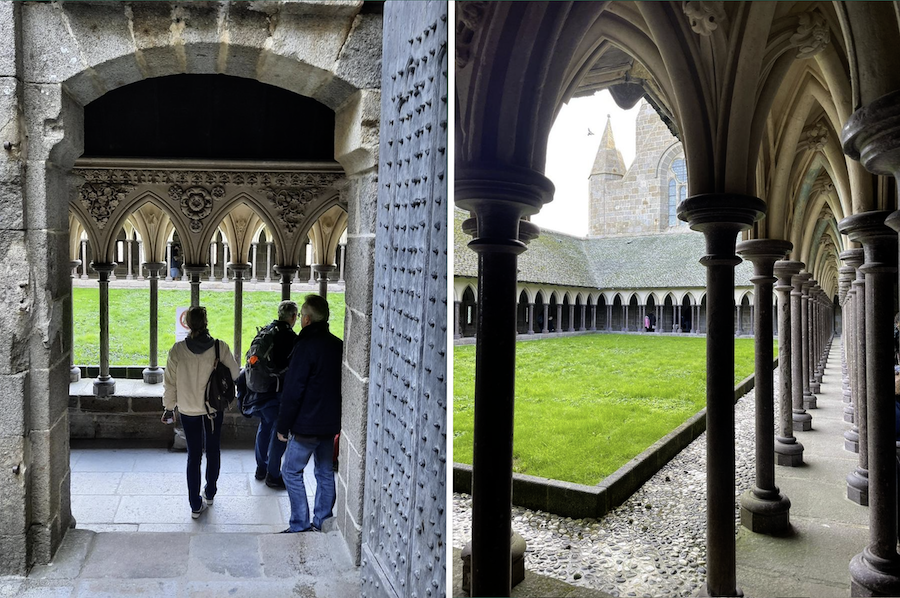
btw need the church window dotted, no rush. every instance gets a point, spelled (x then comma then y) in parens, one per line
(677, 189)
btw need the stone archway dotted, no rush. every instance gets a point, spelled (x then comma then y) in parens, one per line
(332, 62)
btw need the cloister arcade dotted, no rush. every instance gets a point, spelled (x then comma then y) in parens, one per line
(787, 112)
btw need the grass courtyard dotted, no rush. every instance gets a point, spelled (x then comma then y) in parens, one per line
(129, 320)
(586, 405)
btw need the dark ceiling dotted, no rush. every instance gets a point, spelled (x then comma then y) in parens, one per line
(215, 117)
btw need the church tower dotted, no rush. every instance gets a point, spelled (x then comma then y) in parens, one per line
(608, 167)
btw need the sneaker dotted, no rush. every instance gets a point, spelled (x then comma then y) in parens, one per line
(260, 473)
(207, 500)
(273, 482)
(196, 514)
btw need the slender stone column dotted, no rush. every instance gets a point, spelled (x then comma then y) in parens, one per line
(609, 318)
(140, 261)
(845, 276)
(84, 262)
(457, 316)
(194, 272)
(802, 419)
(764, 509)
(128, 270)
(583, 317)
(268, 277)
(659, 319)
(154, 374)
(226, 257)
(239, 271)
(720, 217)
(343, 252)
(286, 273)
(559, 317)
(212, 262)
(497, 243)
(323, 272)
(809, 400)
(815, 323)
(546, 318)
(531, 318)
(169, 260)
(253, 248)
(876, 571)
(624, 317)
(104, 385)
(74, 372)
(788, 451)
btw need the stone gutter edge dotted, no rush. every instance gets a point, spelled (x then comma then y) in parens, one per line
(580, 501)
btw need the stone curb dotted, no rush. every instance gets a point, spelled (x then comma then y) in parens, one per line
(579, 501)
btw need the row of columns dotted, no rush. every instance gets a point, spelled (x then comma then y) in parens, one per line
(105, 385)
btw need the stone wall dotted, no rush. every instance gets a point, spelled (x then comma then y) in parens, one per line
(636, 204)
(404, 543)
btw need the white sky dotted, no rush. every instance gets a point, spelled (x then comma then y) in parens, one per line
(570, 155)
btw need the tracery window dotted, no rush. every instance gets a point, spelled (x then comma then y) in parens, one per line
(677, 189)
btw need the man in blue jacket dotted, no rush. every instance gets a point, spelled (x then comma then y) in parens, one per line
(310, 414)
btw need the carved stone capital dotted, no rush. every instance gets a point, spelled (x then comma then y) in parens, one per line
(812, 35)
(469, 16)
(704, 16)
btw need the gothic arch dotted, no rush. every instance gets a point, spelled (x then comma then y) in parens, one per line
(124, 211)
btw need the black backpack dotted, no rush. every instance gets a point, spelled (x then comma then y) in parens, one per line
(260, 373)
(219, 387)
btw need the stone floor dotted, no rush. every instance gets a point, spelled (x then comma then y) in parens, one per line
(121, 494)
(654, 544)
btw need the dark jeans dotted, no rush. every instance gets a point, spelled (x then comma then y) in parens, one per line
(201, 432)
(269, 449)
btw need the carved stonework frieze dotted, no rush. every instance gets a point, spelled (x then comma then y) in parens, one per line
(196, 202)
(812, 35)
(290, 204)
(814, 137)
(209, 178)
(101, 199)
(469, 16)
(705, 17)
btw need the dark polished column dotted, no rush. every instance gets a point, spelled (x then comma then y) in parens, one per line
(498, 199)
(457, 316)
(323, 271)
(583, 316)
(594, 316)
(858, 479)
(876, 570)
(854, 259)
(809, 400)
(239, 271)
(764, 509)
(546, 318)
(286, 273)
(802, 419)
(815, 339)
(720, 217)
(74, 372)
(844, 277)
(531, 318)
(154, 374)
(194, 272)
(788, 451)
(571, 317)
(104, 385)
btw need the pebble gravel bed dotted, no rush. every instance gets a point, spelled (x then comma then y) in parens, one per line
(652, 545)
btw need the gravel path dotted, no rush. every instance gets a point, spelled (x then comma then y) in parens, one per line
(652, 545)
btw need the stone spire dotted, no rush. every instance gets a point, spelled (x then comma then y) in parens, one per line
(609, 159)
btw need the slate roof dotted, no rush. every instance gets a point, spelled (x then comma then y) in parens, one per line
(651, 261)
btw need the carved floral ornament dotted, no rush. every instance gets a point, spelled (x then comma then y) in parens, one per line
(196, 202)
(101, 200)
(812, 35)
(208, 178)
(704, 16)
(815, 136)
(290, 204)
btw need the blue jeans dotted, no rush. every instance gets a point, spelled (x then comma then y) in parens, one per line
(296, 457)
(200, 431)
(269, 449)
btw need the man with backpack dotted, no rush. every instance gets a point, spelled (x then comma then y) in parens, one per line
(267, 360)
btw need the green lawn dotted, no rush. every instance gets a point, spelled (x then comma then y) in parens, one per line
(129, 320)
(585, 405)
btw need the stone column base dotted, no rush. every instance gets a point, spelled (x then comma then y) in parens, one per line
(788, 452)
(815, 388)
(765, 516)
(848, 414)
(704, 592)
(851, 441)
(809, 401)
(74, 374)
(866, 580)
(517, 559)
(153, 375)
(858, 487)
(104, 388)
(802, 422)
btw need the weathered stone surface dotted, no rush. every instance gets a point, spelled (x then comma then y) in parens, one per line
(316, 40)
(52, 56)
(13, 553)
(12, 487)
(107, 404)
(355, 471)
(16, 302)
(356, 132)
(12, 398)
(359, 269)
(359, 63)
(12, 200)
(10, 58)
(361, 195)
(357, 354)
(48, 395)
(164, 555)
(55, 125)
